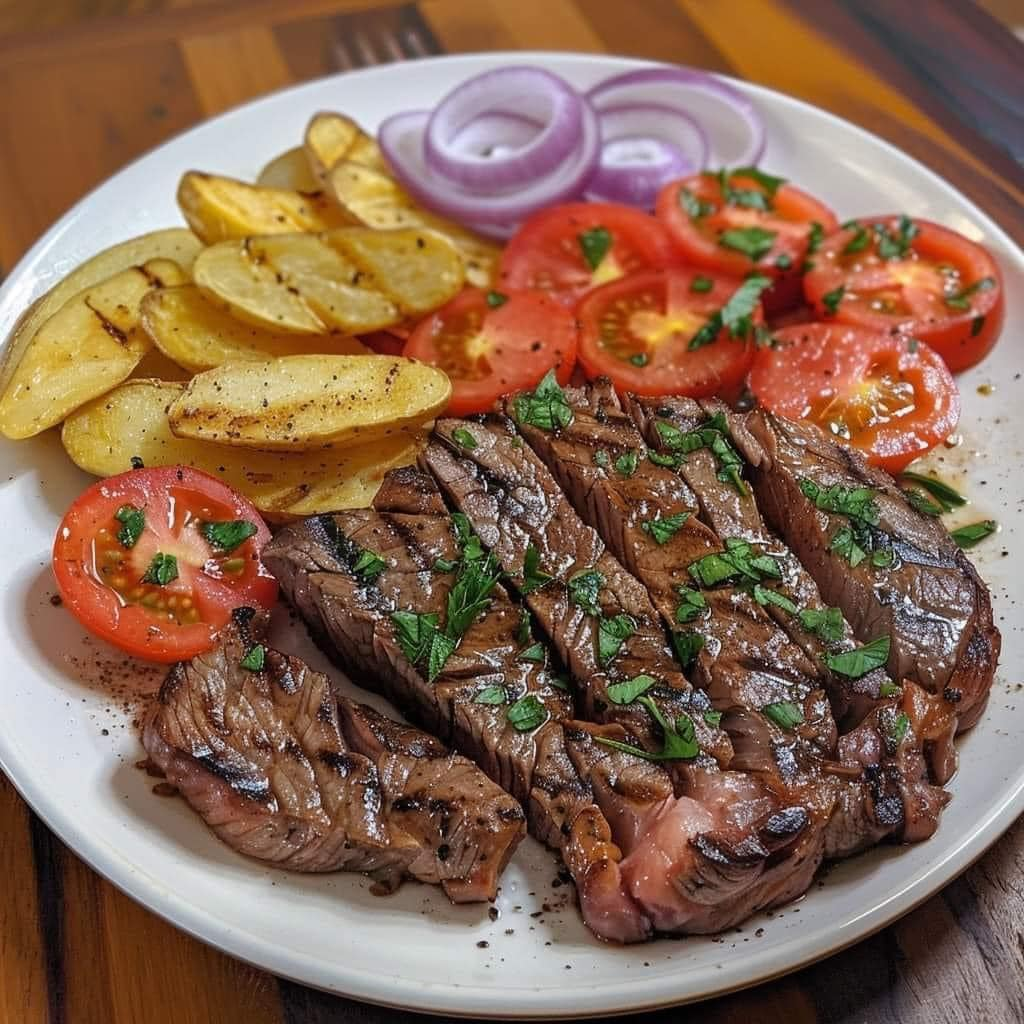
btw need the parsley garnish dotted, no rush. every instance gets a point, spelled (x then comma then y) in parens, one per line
(687, 646)
(815, 234)
(611, 635)
(948, 498)
(491, 695)
(584, 588)
(746, 197)
(523, 629)
(625, 464)
(753, 242)
(668, 461)
(630, 689)
(535, 652)
(639, 359)
(701, 284)
(857, 504)
(468, 541)
(825, 623)
(830, 300)
(254, 658)
(227, 536)
(601, 458)
(414, 632)
(693, 605)
(861, 660)
(694, 207)
(882, 558)
(897, 729)
(546, 407)
(968, 536)
(133, 522)
(679, 740)
(713, 718)
(860, 240)
(470, 595)
(162, 570)
(369, 565)
(783, 261)
(738, 561)
(713, 435)
(495, 299)
(769, 182)
(735, 315)
(463, 438)
(764, 597)
(526, 714)
(595, 244)
(894, 246)
(784, 713)
(663, 530)
(889, 689)
(921, 504)
(533, 578)
(444, 565)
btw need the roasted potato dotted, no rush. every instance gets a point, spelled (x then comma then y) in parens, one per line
(218, 208)
(298, 403)
(290, 170)
(176, 244)
(331, 138)
(91, 344)
(351, 279)
(373, 197)
(196, 335)
(104, 435)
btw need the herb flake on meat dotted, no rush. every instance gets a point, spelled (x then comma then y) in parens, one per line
(546, 407)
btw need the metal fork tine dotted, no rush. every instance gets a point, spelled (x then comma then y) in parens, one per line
(340, 55)
(365, 50)
(414, 46)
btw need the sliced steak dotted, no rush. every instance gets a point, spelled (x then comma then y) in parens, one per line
(922, 591)
(284, 770)
(469, 701)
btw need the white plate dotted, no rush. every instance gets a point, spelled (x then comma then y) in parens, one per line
(414, 950)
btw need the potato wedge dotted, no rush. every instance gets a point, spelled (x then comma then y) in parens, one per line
(218, 208)
(92, 343)
(104, 435)
(298, 403)
(373, 197)
(195, 334)
(178, 244)
(354, 280)
(290, 170)
(331, 138)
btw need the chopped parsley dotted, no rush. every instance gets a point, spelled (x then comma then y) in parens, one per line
(968, 536)
(830, 300)
(701, 284)
(861, 660)
(899, 728)
(714, 435)
(815, 235)
(694, 207)
(162, 570)
(753, 242)
(854, 540)
(584, 588)
(860, 240)
(663, 530)
(693, 605)
(894, 245)
(630, 689)
(523, 629)
(526, 714)
(784, 713)
(668, 461)
(601, 458)
(491, 695)
(713, 718)
(687, 646)
(254, 658)
(739, 561)
(546, 407)
(133, 522)
(764, 597)
(735, 316)
(639, 359)
(948, 498)
(679, 740)
(625, 464)
(535, 652)
(463, 438)
(922, 504)
(496, 299)
(533, 578)
(226, 536)
(444, 565)
(369, 565)
(612, 633)
(769, 182)
(889, 689)
(783, 261)
(594, 245)
(825, 623)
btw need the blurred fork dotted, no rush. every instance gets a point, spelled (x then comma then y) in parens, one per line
(383, 36)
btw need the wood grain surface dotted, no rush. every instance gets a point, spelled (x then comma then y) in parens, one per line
(86, 85)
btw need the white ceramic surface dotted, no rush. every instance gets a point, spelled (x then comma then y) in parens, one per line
(414, 949)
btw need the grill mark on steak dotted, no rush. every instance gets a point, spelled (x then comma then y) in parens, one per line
(345, 791)
(931, 601)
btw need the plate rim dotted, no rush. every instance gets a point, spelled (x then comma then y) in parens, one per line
(475, 1000)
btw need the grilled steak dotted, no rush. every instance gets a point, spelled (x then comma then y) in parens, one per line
(284, 770)
(892, 570)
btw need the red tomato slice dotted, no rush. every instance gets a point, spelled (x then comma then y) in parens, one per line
(494, 343)
(385, 343)
(752, 227)
(890, 396)
(639, 331)
(568, 250)
(192, 583)
(893, 273)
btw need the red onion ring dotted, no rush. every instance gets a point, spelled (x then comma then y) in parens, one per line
(643, 147)
(401, 140)
(526, 92)
(495, 134)
(735, 130)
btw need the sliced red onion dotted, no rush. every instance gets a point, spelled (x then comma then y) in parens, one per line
(527, 92)
(734, 129)
(643, 147)
(499, 232)
(496, 134)
(401, 140)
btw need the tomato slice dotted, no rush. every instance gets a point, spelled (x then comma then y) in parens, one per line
(494, 343)
(653, 333)
(910, 275)
(385, 343)
(568, 250)
(741, 222)
(890, 396)
(148, 560)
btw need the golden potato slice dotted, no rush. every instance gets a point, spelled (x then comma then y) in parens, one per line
(351, 279)
(290, 170)
(178, 244)
(297, 403)
(92, 343)
(331, 138)
(373, 197)
(218, 208)
(194, 334)
(104, 435)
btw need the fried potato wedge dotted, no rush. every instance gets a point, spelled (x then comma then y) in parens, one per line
(290, 170)
(374, 198)
(332, 137)
(218, 208)
(299, 403)
(177, 244)
(354, 280)
(131, 421)
(196, 335)
(91, 344)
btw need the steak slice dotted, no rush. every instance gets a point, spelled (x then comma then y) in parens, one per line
(352, 620)
(284, 770)
(925, 594)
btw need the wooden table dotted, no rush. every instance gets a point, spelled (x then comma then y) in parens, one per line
(87, 86)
